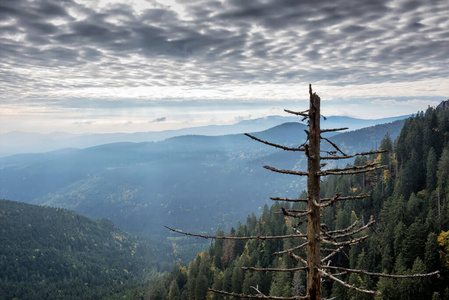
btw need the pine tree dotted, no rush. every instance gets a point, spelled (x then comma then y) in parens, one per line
(299, 283)
(431, 176)
(431, 257)
(174, 293)
(443, 174)
(386, 144)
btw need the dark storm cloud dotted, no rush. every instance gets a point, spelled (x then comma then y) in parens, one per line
(66, 44)
(291, 13)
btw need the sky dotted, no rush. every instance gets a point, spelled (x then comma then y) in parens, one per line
(95, 66)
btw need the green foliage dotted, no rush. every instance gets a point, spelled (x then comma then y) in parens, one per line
(431, 175)
(443, 242)
(50, 253)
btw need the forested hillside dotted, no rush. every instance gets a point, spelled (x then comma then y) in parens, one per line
(51, 253)
(409, 200)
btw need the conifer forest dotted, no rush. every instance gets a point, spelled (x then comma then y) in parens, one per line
(408, 197)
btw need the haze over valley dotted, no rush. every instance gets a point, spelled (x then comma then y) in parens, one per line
(193, 182)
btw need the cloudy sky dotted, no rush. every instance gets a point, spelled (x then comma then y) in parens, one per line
(140, 65)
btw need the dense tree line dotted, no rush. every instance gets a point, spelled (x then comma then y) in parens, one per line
(409, 199)
(51, 253)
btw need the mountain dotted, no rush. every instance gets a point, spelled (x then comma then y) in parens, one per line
(53, 253)
(367, 138)
(24, 142)
(191, 182)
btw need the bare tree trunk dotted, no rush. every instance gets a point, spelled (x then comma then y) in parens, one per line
(313, 188)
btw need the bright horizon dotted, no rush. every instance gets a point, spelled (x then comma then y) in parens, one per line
(234, 122)
(81, 66)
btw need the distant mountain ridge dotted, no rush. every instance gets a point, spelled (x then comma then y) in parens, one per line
(24, 142)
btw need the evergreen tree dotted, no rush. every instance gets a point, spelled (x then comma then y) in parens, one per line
(218, 250)
(299, 283)
(431, 176)
(252, 279)
(431, 257)
(280, 285)
(386, 144)
(174, 293)
(443, 175)
(238, 275)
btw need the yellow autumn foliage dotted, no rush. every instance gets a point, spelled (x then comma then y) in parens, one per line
(444, 235)
(443, 241)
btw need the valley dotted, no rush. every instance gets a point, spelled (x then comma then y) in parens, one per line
(195, 183)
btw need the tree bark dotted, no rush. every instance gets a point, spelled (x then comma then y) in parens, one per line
(313, 188)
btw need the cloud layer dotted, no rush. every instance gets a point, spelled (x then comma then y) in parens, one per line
(53, 52)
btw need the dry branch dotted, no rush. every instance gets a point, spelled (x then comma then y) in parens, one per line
(335, 251)
(333, 129)
(338, 198)
(273, 269)
(291, 249)
(346, 233)
(330, 201)
(274, 145)
(371, 222)
(298, 113)
(361, 196)
(258, 296)
(379, 274)
(328, 249)
(216, 237)
(299, 215)
(345, 243)
(325, 173)
(300, 233)
(354, 155)
(353, 168)
(290, 172)
(298, 258)
(348, 285)
(288, 199)
(333, 145)
(342, 230)
(295, 210)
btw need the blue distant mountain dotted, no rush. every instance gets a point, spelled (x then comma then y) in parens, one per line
(25, 142)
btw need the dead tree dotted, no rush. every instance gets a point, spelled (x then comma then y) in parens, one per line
(320, 242)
